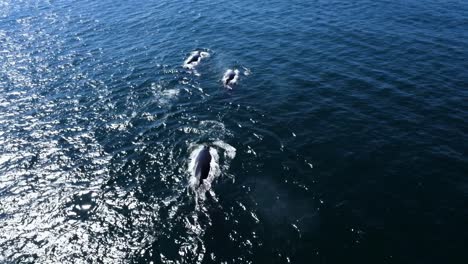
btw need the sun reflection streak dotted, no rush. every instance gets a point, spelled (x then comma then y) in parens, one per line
(91, 171)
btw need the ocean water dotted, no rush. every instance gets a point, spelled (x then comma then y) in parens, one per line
(345, 140)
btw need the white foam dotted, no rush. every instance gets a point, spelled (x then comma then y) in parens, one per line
(204, 54)
(170, 93)
(247, 71)
(166, 96)
(229, 151)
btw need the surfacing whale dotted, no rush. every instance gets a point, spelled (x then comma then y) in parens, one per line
(195, 58)
(230, 77)
(202, 164)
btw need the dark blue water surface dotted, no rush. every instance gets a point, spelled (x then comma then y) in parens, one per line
(345, 140)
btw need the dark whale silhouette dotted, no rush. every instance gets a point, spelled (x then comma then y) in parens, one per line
(229, 77)
(194, 58)
(202, 165)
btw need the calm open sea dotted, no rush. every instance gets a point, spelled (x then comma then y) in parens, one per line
(345, 140)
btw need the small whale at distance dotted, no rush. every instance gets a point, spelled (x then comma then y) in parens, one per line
(195, 58)
(231, 77)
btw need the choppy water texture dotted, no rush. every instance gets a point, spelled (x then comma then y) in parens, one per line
(344, 142)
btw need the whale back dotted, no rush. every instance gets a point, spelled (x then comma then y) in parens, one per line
(229, 76)
(202, 168)
(194, 58)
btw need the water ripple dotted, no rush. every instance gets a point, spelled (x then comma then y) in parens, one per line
(350, 123)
